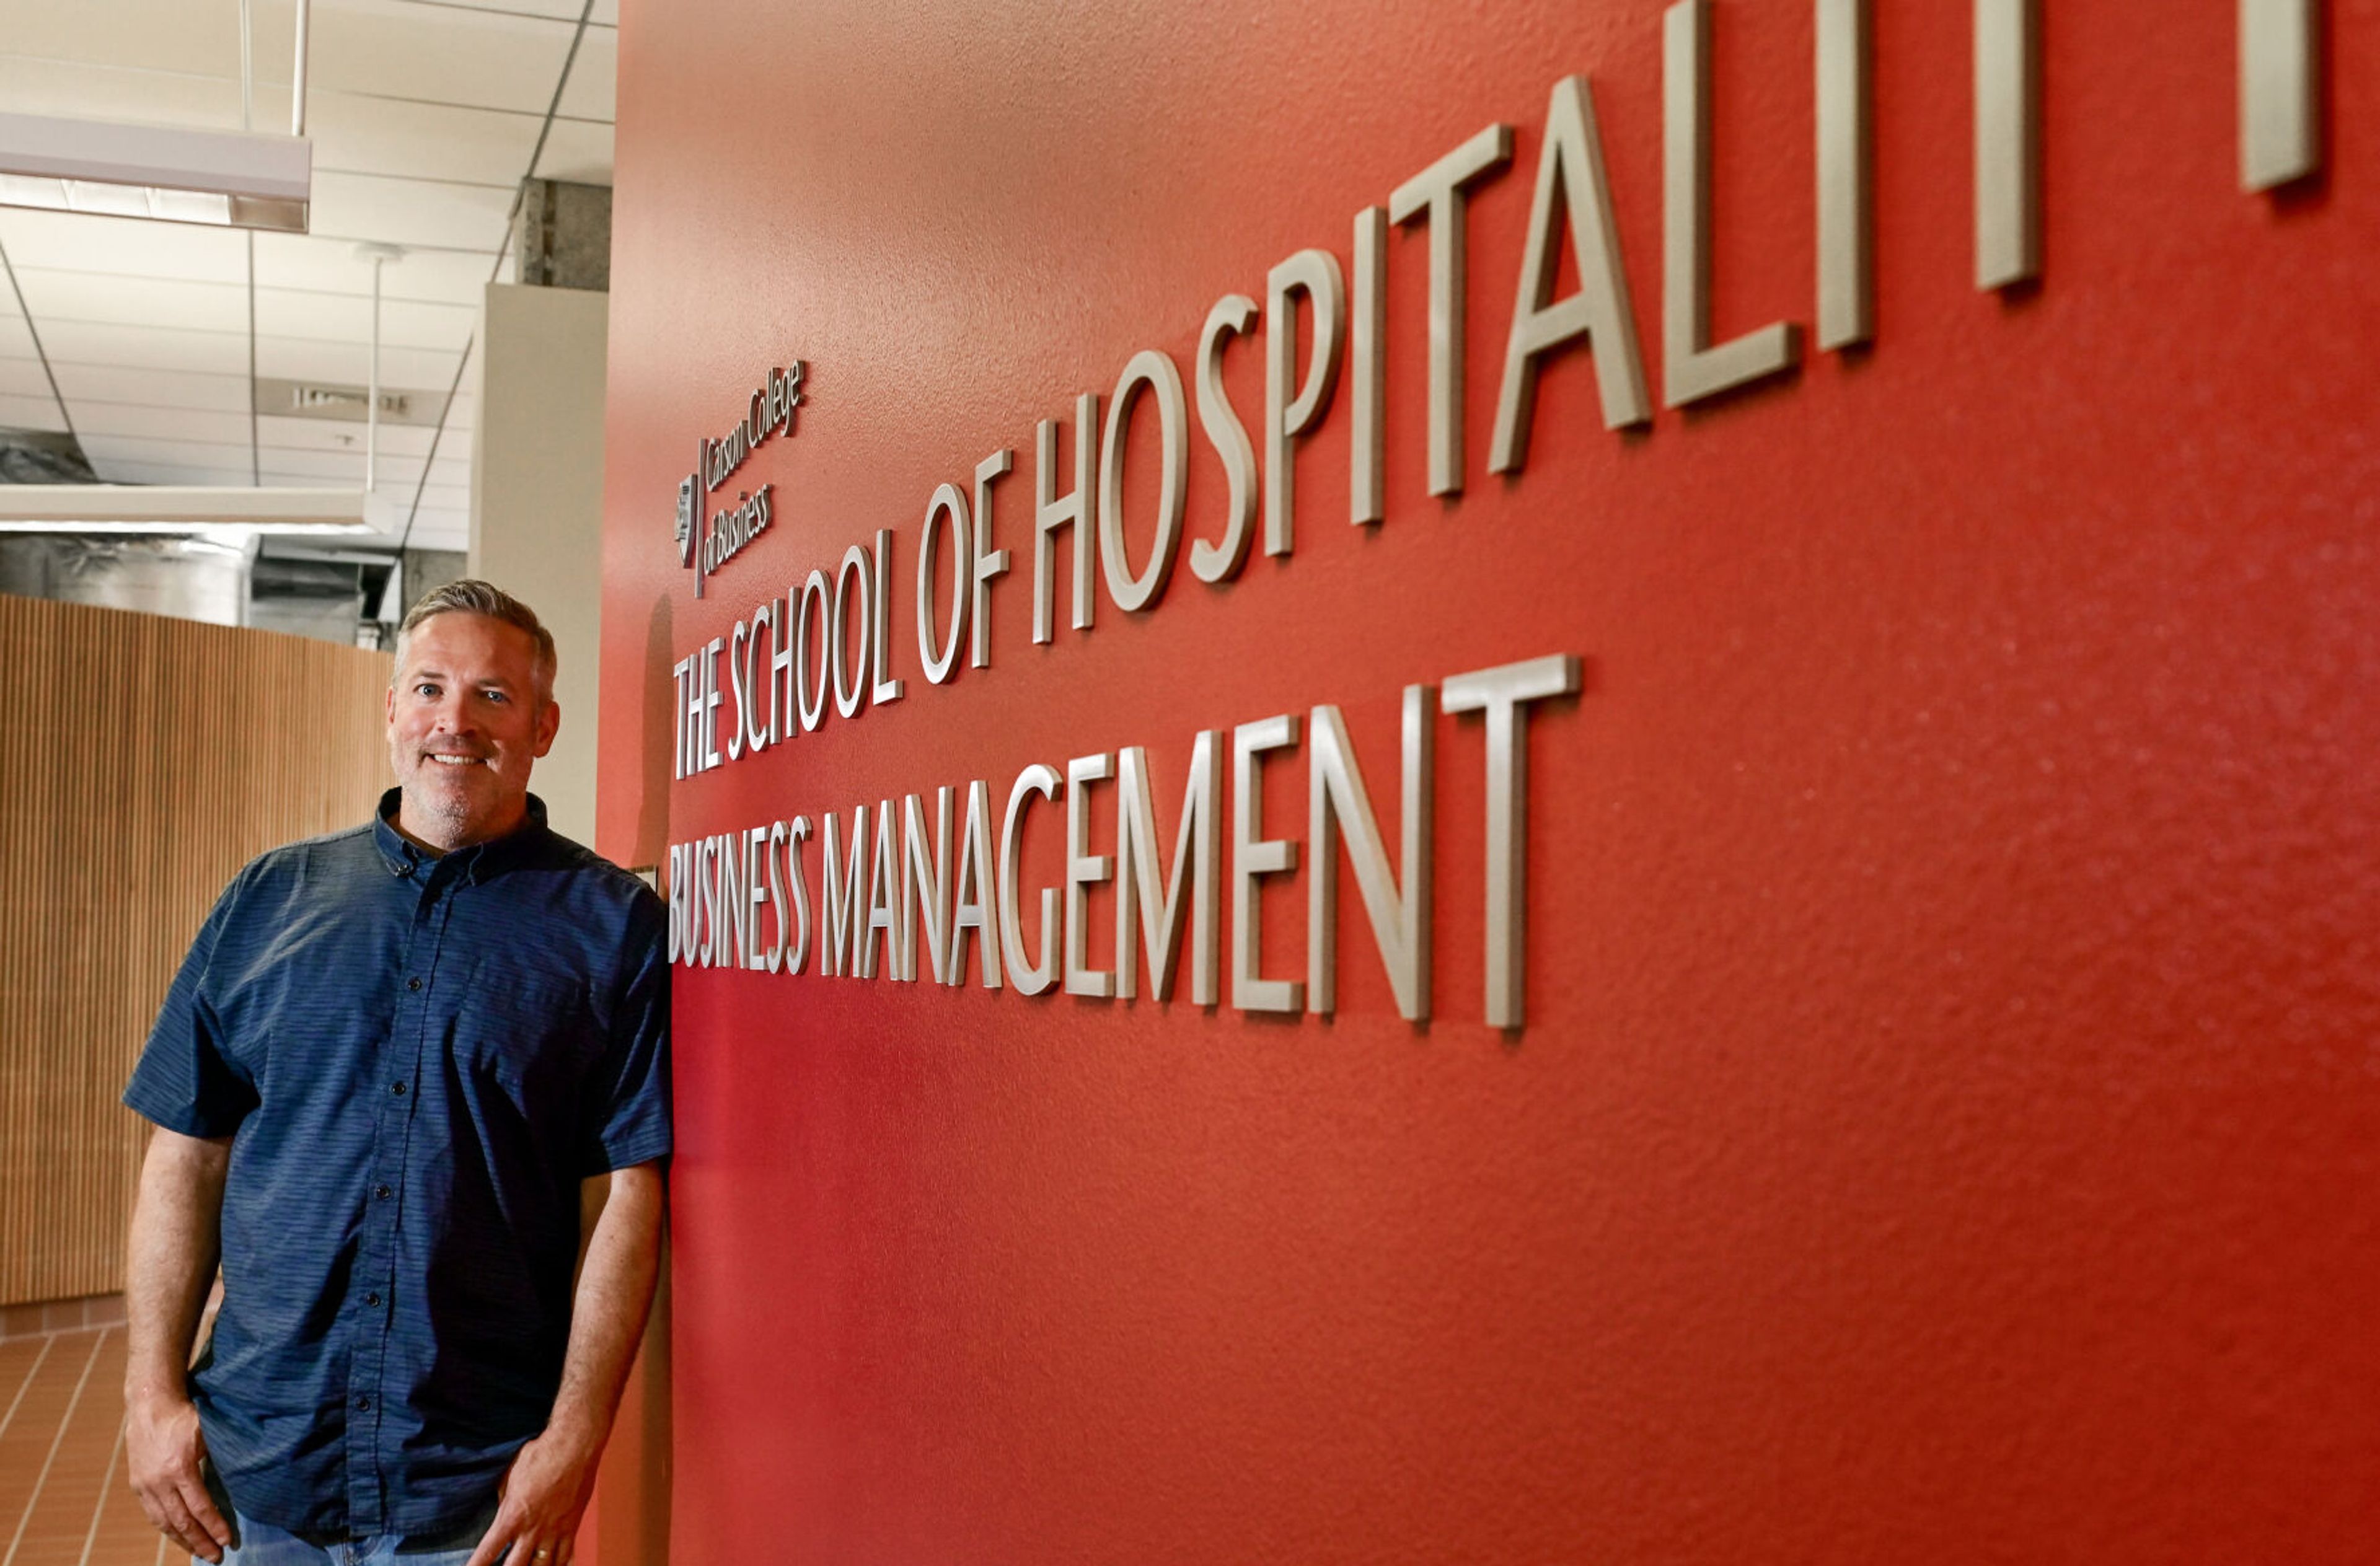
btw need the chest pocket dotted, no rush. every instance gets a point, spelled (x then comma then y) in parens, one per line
(529, 1041)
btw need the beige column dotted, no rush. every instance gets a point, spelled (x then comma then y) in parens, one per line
(537, 503)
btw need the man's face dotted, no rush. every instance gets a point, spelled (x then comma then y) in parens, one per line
(465, 724)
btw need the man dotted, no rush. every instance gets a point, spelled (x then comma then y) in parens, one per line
(393, 1064)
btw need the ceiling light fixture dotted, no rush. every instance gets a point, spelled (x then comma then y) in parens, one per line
(233, 179)
(175, 174)
(166, 508)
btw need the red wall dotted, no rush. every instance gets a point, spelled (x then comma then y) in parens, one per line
(1948, 1121)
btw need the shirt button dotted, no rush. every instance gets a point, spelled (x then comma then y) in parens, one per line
(397, 1088)
(372, 1298)
(363, 1404)
(383, 1192)
(413, 984)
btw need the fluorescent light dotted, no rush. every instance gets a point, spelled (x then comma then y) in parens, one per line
(116, 200)
(233, 178)
(163, 508)
(223, 535)
(231, 532)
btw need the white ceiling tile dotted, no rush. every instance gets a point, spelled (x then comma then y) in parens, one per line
(133, 246)
(346, 318)
(176, 424)
(298, 260)
(427, 140)
(29, 413)
(302, 361)
(117, 472)
(16, 338)
(134, 301)
(172, 35)
(322, 469)
(462, 410)
(23, 377)
(551, 10)
(275, 433)
(578, 149)
(340, 467)
(467, 217)
(400, 475)
(350, 477)
(456, 55)
(606, 13)
(33, 85)
(153, 388)
(441, 530)
(118, 461)
(145, 347)
(589, 93)
(194, 453)
(448, 497)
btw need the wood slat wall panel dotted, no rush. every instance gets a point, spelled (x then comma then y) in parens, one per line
(142, 762)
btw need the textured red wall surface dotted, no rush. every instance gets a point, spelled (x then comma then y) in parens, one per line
(1947, 1123)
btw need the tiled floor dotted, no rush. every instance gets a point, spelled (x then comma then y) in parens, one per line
(63, 1498)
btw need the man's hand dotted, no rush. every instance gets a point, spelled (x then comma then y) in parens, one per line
(163, 1450)
(545, 1493)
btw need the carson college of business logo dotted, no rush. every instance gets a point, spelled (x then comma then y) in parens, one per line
(769, 412)
(689, 519)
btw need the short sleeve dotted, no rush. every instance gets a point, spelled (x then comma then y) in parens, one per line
(187, 1080)
(627, 1119)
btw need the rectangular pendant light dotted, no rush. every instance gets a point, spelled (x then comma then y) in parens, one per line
(230, 178)
(166, 508)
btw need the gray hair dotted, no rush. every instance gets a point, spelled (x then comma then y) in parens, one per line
(471, 596)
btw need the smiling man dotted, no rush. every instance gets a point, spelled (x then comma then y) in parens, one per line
(396, 1065)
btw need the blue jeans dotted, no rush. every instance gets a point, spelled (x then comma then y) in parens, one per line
(268, 1546)
(261, 1543)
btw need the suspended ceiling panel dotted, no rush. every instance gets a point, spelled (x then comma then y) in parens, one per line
(144, 338)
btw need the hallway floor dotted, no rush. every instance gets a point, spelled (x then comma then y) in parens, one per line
(64, 1500)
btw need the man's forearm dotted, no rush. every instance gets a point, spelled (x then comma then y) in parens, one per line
(177, 1232)
(616, 1291)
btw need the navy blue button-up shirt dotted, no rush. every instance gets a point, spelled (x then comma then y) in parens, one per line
(417, 1059)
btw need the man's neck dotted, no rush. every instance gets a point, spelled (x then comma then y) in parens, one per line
(438, 842)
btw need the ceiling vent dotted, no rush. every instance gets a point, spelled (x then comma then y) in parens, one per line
(345, 403)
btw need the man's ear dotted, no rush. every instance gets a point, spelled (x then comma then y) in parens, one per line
(388, 707)
(549, 722)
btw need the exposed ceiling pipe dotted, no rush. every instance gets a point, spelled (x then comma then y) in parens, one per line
(247, 70)
(298, 78)
(380, 255)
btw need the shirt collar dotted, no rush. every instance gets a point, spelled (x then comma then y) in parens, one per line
(475, 863)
